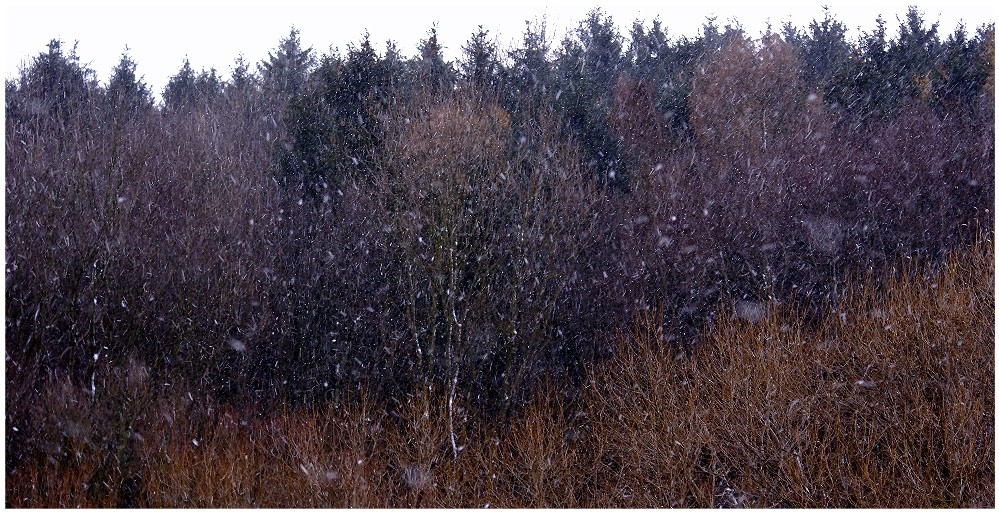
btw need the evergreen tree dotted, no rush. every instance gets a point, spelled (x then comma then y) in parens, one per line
(187, 90)
(127, 99)
(13, 106)
(914, 56)
(714, 40)
(334, 124)
(365, 91)
(985, 45)
(286, 69)
(430, 68)
(480, 64)
(666, 69)
(602, 45)
(394, 71)
(241, 95)
(241, 79)
(588, 65)
(361, 74)
(824, 51)
(528, 87)
(869, 88)
(958, 82)
(125, 92)
(647, 52)
(964, 68)
(180, 93)
(310, 119)
(207, 86)
(55, 86)
(531, 74)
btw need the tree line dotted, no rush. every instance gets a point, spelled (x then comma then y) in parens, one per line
(595, 72)
(316, 223)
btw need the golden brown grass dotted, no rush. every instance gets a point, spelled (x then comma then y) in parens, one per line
(886, 401)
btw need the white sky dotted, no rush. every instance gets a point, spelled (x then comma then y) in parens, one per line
(212, 33)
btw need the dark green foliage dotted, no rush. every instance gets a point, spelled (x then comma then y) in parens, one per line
(602, 46)
(394, 69)
(667, 67)
(530, 75)
(824, 52)
(208, 85)
(188, 91)
(241, 79)
(303, 161)
(963, 69)
(126, 94)
(181, 92)
(648, 51)
(868, 86)
(587, 66)
(885, 75)
(713, 40)
(334, 124)
(914, 55)
(429, 68)
(480, 64)
(285, 71)
(11, 106)
(55, 88)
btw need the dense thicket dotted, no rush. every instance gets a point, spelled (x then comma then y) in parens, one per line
(326, 222)
(886, 401)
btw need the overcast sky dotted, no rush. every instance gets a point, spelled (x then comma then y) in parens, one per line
(213, 33)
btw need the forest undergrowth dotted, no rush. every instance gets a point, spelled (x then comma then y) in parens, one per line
(886, 401)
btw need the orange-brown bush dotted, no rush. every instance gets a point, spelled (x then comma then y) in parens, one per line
(636, 119)
(748, 103)
(484, 232)
(887, 402)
